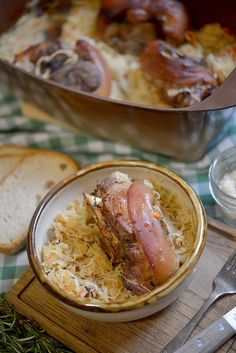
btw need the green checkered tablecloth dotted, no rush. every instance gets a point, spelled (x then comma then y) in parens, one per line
(18, 129)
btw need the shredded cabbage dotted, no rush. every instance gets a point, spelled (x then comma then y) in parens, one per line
(74, 260)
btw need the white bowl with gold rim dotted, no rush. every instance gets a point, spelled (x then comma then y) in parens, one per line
(84, 181)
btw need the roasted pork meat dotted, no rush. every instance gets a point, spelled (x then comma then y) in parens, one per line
(130, 234)
(183, 80)
(82, 67)
(130, 25)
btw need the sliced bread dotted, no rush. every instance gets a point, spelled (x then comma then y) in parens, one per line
(23, 188)
(8, 163)
(16, 149)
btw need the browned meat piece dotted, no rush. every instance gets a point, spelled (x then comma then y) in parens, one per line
(173, 18)
(83, 76)
(162, 61)
(185, 97)
(151, 232)
(138, 275)
(113, 192)
(119, 20)
(34, 52)
(129, 38)
(133, 274)
(88, 53)
(82, 68)
(109, 241)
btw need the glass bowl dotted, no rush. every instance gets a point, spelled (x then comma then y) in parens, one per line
(224, 191)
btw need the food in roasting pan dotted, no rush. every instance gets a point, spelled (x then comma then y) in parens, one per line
(82, 67)
(120, 241)
(144, 52)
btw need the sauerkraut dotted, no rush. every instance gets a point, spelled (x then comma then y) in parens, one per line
(212, 45)
(75, 261)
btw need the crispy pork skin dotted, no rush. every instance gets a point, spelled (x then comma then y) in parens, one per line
(150, 231)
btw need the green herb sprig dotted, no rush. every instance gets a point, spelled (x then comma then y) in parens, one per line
(21, 335)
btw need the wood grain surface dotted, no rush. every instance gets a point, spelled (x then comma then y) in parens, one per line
(148, 335)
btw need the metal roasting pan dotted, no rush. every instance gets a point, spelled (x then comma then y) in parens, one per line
(184, 134)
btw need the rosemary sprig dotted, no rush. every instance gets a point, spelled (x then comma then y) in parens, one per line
(21, 335)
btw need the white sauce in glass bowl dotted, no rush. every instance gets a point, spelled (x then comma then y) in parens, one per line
(228, 183)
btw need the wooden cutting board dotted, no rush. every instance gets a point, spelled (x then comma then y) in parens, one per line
(148, 335)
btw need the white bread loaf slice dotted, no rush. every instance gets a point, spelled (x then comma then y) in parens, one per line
(16, 150)
(22, 190)
(8, 163)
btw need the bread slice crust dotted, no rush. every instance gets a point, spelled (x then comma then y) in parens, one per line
(35, 172)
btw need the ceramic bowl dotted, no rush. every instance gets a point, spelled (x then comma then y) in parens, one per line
(85, 180)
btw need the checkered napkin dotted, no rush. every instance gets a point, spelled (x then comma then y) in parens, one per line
(18, 129)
